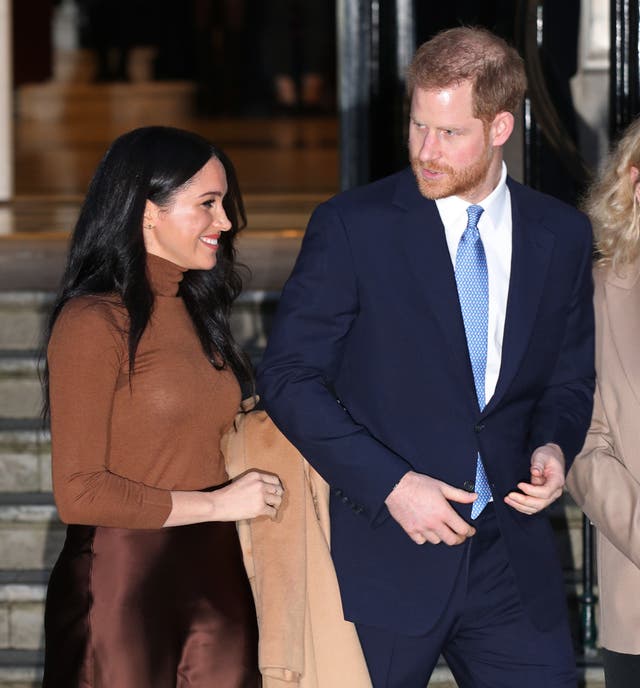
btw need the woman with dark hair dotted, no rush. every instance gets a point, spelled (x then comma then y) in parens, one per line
(141, 383)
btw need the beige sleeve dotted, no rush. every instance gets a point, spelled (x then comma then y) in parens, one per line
(604, 489)
(85, 353)
(599, 481)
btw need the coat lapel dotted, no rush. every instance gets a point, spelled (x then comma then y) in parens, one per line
(532, 249)
(622, 294)
(424, 245)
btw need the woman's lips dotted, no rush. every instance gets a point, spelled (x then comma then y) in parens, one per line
(210, 240)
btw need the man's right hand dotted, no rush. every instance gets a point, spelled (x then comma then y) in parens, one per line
(420, 505)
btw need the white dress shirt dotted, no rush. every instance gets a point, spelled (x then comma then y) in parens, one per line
(495, 230)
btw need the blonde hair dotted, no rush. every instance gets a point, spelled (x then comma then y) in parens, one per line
(612, 202)
(473, 54)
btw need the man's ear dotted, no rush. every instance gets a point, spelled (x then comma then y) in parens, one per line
(501, 128)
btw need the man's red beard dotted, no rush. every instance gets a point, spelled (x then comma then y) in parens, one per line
(455, 182)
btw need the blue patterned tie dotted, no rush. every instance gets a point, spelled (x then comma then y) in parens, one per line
(472, 279)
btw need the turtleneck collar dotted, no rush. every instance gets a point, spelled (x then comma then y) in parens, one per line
(164, 276)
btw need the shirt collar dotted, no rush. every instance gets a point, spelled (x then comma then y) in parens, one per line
(453, 210)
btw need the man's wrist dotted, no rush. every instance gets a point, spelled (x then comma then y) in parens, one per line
(395, 487)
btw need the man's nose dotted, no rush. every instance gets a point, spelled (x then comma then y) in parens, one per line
(430, 148)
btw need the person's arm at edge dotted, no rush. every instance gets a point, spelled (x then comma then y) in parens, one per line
(613, 510)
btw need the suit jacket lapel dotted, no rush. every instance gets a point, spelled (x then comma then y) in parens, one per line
(532, 249)
(423, 242)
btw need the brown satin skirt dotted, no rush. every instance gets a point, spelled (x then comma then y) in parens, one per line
(166, 608)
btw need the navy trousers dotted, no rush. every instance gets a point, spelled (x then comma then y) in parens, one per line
(485, 635)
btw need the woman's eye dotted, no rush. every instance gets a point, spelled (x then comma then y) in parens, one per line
(208, 204)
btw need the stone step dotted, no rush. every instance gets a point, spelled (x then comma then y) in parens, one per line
(26, 672)
(31, 535)
(25, 469)
(71, 94)
(21, 325)
(23, 669)
(22, 595)
(20, 388)
(153, 102)
(23, 318)
(25, 461)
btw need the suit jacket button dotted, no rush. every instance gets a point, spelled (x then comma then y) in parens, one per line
(346, 500)
(337, 492)
(478, 427)
(468, 485)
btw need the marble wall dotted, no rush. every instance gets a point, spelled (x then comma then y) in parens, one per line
(6, 108)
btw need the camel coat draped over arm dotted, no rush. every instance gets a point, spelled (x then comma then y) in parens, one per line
(304, 639)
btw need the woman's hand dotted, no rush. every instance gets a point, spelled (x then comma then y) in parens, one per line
(251, 494)
(254, 493)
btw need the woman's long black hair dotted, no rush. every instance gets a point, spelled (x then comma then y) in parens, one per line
(107, 254)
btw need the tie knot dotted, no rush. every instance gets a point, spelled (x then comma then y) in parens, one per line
(473, 213)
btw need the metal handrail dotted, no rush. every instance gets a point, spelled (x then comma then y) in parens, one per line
(588, 599)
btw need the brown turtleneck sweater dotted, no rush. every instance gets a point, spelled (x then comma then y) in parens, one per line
(118, 449)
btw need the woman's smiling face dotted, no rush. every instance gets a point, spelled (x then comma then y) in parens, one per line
(186, 232)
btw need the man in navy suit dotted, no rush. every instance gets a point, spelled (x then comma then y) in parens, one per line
(432, 357)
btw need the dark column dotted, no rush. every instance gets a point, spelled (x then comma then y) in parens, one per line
(548, 39)
(353, 20)
(375, 44)
(624, 102)
(393, 48)
(530, 40)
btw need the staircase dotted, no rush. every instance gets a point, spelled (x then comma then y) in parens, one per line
(30, 533)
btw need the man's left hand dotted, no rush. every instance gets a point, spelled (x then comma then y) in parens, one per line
(547, 481)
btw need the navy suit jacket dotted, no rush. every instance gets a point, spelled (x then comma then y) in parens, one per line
(367, 373)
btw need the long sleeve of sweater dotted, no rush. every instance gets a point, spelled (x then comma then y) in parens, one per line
(85, 356)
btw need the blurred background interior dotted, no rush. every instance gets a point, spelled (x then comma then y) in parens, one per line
(307, 98)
